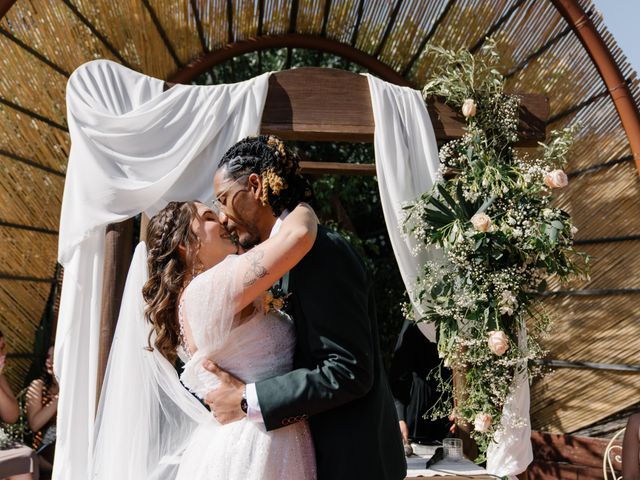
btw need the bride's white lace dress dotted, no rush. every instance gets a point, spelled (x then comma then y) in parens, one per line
(252, 349)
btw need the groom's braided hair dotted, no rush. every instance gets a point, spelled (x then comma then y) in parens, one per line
(283, 186)
(167, 231)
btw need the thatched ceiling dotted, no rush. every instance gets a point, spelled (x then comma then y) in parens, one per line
(42, 41)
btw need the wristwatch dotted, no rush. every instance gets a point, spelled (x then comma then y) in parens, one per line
(244, 406)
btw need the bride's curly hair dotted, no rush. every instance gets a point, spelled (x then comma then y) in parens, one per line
(166, 232)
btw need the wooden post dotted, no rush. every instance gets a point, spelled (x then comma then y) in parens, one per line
(463, 430)
(118, 252)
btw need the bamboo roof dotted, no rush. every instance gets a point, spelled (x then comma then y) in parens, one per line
(43, 41)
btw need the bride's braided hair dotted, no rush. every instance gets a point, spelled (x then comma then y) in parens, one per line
(283, 186)
(167, 230)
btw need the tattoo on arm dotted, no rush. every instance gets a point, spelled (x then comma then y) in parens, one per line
(256, 269)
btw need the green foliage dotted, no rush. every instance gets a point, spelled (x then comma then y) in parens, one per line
(501, 239)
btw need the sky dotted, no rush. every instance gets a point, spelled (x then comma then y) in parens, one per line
(621, 18)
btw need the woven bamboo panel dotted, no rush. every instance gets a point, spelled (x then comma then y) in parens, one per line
(539, 55)
(21, 304)
(29, 195)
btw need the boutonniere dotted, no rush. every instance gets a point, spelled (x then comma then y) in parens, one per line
(274, 300)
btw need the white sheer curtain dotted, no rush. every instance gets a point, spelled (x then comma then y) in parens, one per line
(407, 166)
(134, 148)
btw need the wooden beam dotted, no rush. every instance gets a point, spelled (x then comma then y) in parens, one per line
(584, 28)
(494, 28)
(5, 5)
(117, 258)
(310, 104)
(356, 27)
(163, 35)
(29, 228)
(103, 38)
(295, 40)
(568, 449)
(34, 52)
(31, 163)
(337, 168)
(196, 16)
(33, 114)
(427, 37)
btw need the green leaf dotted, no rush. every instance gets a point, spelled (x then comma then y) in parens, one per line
(486, 204)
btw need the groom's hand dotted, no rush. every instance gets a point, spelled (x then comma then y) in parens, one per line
(225, 400)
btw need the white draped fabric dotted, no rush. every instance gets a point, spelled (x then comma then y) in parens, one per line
(134, 148)
(407, 166)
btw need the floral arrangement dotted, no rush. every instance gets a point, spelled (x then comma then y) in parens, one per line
(274, 300)
(499, 236)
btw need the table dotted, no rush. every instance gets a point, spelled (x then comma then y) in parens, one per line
(417, 467)
(18, 460)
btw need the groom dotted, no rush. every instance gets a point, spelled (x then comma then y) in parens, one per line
(338, 381)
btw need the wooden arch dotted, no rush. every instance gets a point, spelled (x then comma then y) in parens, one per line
(317, 104)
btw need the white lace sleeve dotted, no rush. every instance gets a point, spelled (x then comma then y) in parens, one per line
(208, 305)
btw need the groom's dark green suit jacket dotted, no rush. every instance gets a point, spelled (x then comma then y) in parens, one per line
(339, 382)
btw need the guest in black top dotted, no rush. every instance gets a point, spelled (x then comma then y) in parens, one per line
(413, 359)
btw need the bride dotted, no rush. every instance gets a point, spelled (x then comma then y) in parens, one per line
(203, 301)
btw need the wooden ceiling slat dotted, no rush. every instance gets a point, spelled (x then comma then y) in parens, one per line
(356, 28)
(196, 16)
(31, 163)
(34, 52)
(32, 114)
(427, 38)
(496, 26)
(162, 33)
(99, 35)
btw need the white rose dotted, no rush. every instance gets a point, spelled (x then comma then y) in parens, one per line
(482, 422)
(556, 179)
(469, 108)
(481, 222)
(505, 310)
(498, 342)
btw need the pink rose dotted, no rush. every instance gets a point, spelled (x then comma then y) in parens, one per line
(556, 179)
(482, 422)
(481, 222)
(469, 108)
(498, 342)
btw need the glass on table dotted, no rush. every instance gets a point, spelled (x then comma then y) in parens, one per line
(452, 449)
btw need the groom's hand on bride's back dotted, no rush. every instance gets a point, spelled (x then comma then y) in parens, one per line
(225, 400)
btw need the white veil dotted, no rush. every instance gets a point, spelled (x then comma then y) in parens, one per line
(145, 416)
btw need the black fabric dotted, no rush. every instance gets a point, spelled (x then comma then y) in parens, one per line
(339, 381)
(414, 358)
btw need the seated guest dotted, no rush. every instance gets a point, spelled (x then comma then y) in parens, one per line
(631, 449)
(42, 408)
(16, 461)
(413, 359)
